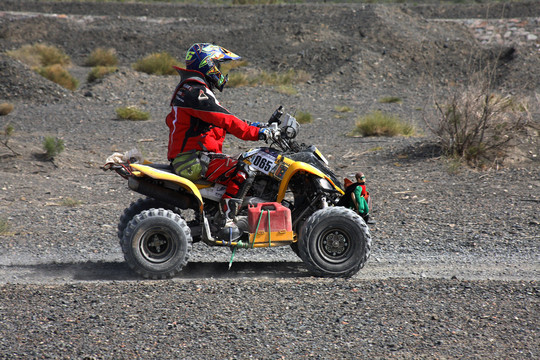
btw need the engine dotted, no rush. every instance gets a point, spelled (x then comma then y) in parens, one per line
(264, 187)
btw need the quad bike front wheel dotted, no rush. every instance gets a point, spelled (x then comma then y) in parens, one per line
(157, 243)
(335, 242)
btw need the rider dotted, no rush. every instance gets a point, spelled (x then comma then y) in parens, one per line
(198, 124)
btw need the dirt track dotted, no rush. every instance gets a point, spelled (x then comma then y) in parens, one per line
(455, 265)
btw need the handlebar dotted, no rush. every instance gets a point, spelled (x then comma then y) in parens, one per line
(283, 131)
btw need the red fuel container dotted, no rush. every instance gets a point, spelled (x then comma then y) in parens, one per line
(280, 218)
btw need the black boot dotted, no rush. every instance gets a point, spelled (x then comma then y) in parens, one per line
(369, 221)
(228, 209)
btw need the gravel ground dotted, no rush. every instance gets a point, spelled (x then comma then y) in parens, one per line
(454, 269)
(272, 319)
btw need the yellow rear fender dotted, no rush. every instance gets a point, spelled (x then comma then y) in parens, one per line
(295, 168)
(144, 170)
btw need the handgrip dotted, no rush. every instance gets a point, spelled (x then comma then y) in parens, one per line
(276, 115)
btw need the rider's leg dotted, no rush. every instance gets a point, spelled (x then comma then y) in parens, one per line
(231, 202)
(225, 170)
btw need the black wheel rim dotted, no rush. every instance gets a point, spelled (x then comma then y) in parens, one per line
(334, 245)
(157, 245)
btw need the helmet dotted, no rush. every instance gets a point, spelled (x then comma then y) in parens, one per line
(205, 58)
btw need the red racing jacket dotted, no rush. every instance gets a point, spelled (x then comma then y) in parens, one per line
(197, 121)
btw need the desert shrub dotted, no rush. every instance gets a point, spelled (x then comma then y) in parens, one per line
(257, 2)
(132, 113)
(342, 108)
(4, 226)
(378, 123)
(5, 108)
(40, 55)
(287, 90)
(69, 202)
(58, 74)
(304, 117)
(279, 79)
(51, 55)
(454, 165)
(8, 132)
(390, 100)
(99, 72)
(48, 61)
(237, 80)
(251, 77)
(282, 78)
(157, 64)
(478, 121)
(478, 124)
(52, 146)
(102, 57)
(230, 65)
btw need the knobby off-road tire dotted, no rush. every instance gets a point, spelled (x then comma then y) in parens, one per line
(335, 242)
(137, 207)
(157, 243)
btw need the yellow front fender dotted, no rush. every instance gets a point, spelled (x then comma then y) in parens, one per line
(293, 169)
(168, 176)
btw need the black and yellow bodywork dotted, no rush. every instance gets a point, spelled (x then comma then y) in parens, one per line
(284, 170)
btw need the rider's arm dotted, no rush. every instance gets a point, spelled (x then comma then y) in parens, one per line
(201, 103)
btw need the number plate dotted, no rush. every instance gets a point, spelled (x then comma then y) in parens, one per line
(263, 162)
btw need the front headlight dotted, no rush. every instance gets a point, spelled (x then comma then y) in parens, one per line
(324, 184)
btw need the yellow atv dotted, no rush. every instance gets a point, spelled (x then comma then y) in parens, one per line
(292, 201)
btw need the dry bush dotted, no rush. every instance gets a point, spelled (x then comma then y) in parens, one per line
(102, 57)
(40, 55)
(230, 65)
(5, 226)
(390, 100)
(8, 132)
(237, 79)
(157, 64)
(255, 78)
(99, 72)
(480, 117)
(286, 90)
(70, 202)
(342, 108)
(478, 124)
(132, 113)
(59, 75)
(378, 123)
(48, 61)
(53, 147)
(304, 117)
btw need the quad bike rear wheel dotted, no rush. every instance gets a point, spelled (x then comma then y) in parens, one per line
(335, 242)
(137, 207)
(157, 243)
